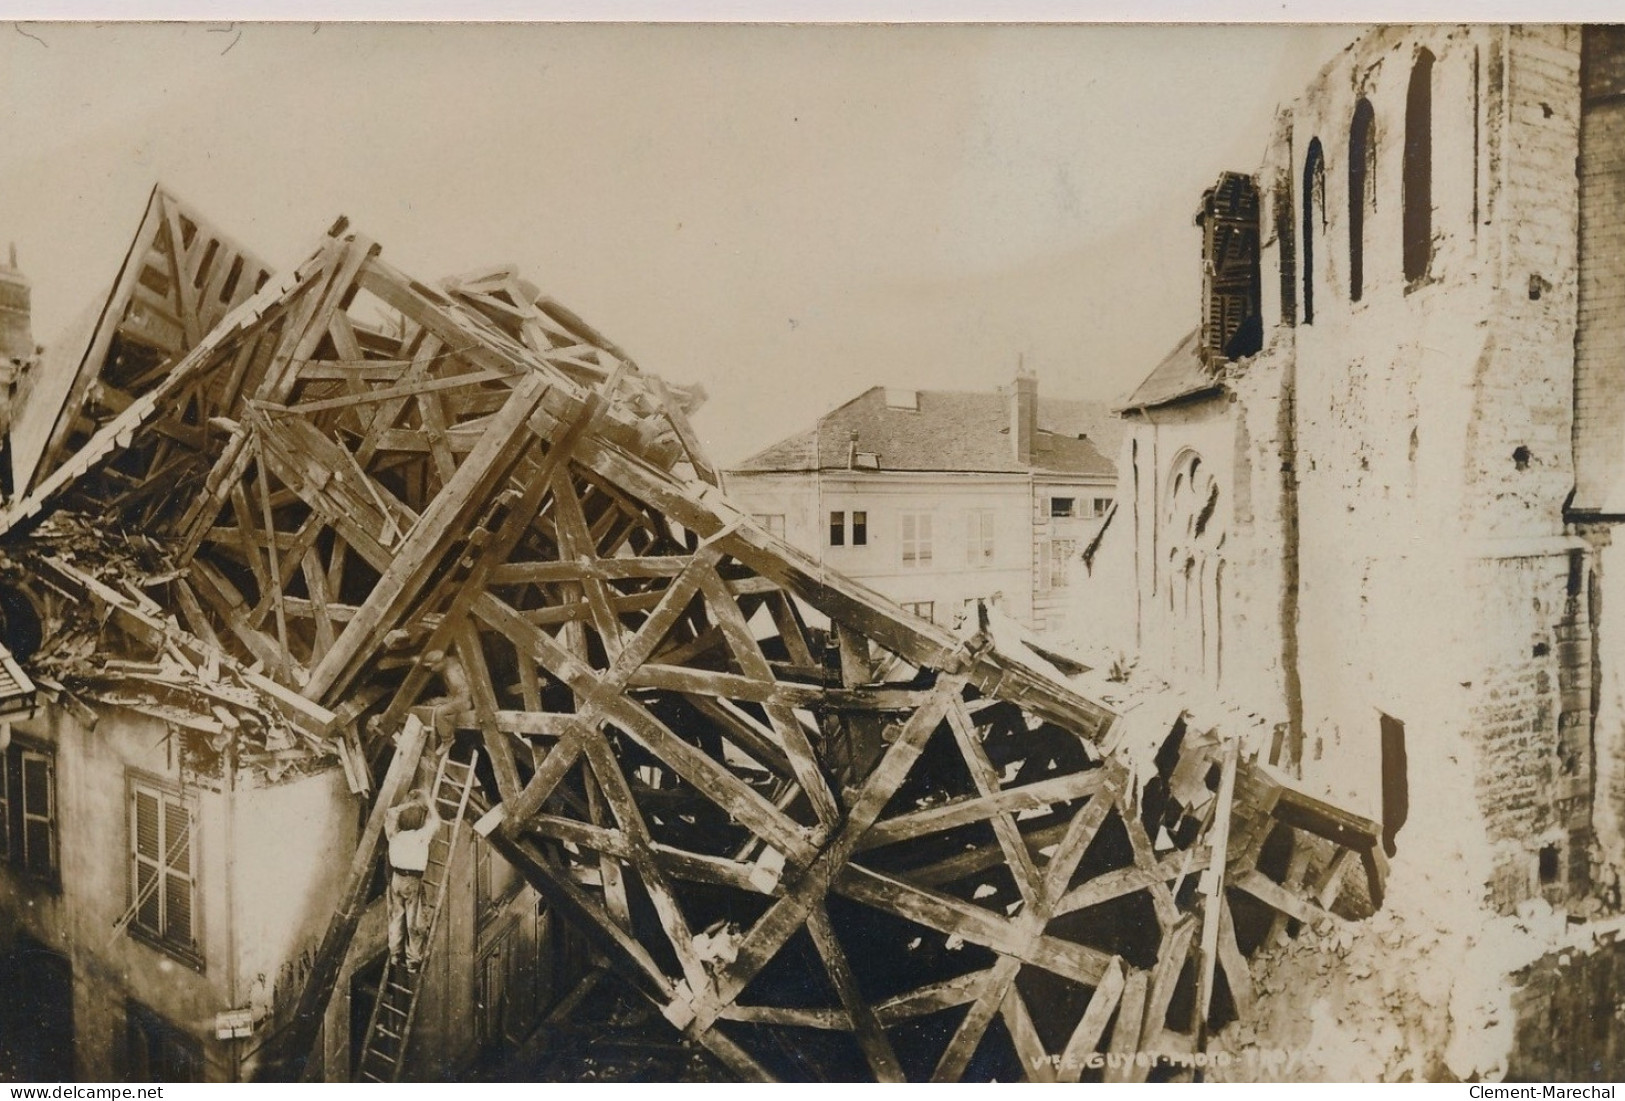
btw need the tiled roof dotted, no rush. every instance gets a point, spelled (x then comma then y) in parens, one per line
(949, 431)
(1182, 374)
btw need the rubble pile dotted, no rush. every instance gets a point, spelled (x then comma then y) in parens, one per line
(821, 837)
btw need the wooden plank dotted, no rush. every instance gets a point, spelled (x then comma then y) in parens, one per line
(1125, 1041)
(575, 542)
(1085, 1038)
(606, 770)
(1303, 811)
(770, 932)
(797, 747)
(1297, 870)
(986, 779)
(1080, 833)
(685, 431)
(1039, 795)
(724, 788)
(515, 524)
(404, 390)
(931, 998)
(1273, 894)
(192, 612)
(788, 1017)
(610, 878)
(745, 732)
(791, 630)
(1145, 858)
(971, 861)
(976, 925)
(274, 554)
(607, 569)
(426, 544)
(1325, 886)
(1176, 950)
(1124, 881)
(968, 1036)
(866, 1026)
(472, 654)
(1213, 885)
(227, 604)
(321, 611)
(717, 870)
(1024, 1037)
(1237, 975)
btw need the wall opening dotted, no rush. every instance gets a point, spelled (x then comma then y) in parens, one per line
(365, 983)
(1551, 864)
(1362, 190)
(1418, 170)
(20, 628)
(1314, 210)
(1396, 799)
(36, 1016)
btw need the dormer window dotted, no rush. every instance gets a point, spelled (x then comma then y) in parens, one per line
(903, 399)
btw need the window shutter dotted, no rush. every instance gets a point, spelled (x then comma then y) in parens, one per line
(177, 873)
(144, 833)
(39, 847)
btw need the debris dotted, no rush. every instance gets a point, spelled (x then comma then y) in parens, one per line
(372, 508)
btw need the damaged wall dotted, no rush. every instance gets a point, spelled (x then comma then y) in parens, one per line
(112, 964)
(1404, 447)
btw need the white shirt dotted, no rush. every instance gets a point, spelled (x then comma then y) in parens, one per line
(409, 849)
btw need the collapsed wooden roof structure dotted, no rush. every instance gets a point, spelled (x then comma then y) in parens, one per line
(823, 836)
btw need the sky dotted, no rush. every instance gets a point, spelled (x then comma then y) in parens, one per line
(786, 215)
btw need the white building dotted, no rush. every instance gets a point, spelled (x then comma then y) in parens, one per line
(939, 497)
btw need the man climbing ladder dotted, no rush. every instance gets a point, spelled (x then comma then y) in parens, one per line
(411, 826)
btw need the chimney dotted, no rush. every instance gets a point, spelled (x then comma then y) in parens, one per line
(1023, 414)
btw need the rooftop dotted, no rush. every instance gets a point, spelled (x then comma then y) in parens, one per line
(946, 430)
(1181, 375)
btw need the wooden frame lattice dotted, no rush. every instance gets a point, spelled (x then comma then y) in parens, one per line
(461, 512)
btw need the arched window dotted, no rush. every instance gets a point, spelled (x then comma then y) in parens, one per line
(1362, 190)
(1314, 211)
(1418, 214)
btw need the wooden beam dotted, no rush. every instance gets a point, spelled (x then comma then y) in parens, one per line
(1085, 1038)
(1213, 886)
(426, 544)
(866, 1026)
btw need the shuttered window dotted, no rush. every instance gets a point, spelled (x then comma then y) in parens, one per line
(38, 814)
(28, 814)
(916, 541)
(163, 883)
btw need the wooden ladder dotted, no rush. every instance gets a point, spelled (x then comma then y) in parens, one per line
(384, 1050)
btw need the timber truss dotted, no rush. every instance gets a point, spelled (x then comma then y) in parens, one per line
(824, 837)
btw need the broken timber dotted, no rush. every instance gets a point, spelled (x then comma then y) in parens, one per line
(462, 512)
